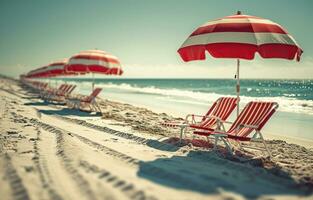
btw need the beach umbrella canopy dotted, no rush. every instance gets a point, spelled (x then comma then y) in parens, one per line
(51, 70)
(240, 37)
(41, 72)
(94, 61)
(57, 68)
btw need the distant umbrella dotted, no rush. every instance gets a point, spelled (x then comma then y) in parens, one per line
(51, 70)
(57, 68)
(94, 61)
(40, 72)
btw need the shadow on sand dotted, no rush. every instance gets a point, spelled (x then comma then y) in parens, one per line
(206, 172)
(68, 111)
(42, 103)
(173, 144)
(169, 144)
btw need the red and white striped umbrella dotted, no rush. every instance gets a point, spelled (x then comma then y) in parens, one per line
(40, 72)
(240, 36)
(94, 61)
(51, 70)
(58, 68)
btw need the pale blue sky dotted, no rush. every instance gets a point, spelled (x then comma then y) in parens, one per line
(144, 34)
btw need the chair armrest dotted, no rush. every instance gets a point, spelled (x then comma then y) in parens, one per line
(192, 120)
(219, 134)
(181, 124)
(219, 119)
(202, 116)
(248, 126)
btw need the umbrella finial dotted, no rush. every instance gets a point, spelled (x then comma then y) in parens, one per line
(238, 12)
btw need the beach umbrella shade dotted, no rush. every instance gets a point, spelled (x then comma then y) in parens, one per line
(240, 37)
(51, 70)
(57, 68)
(95, 62)
(40, 72)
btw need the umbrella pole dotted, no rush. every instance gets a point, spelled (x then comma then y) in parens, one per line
(93, 81)
(238, 86)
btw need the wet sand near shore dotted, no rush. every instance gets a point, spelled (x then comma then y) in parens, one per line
(48, 151)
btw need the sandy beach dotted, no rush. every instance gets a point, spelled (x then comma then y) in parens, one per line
(48, 151)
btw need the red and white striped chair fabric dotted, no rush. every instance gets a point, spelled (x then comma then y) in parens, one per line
(251, 119)
(221, 109)
(64, 90)
(92, 96)
(52, 91)
(63, 93)
(68, 93)
(256, 114)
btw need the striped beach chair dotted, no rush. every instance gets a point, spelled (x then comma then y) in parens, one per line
(247, 126)
(84, 101)
(46, 94)
(69, 92)
(63, 94)
(219, 111)
(57, 92)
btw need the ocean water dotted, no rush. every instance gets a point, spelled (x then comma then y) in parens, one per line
(182, 96)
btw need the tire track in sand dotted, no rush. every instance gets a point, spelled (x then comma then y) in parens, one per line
(18, 189)
(42, 168)
(44, 174)
(128, 189)
(148, 168)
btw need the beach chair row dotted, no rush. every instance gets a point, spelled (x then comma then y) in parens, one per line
(246, 127)
(63, 94)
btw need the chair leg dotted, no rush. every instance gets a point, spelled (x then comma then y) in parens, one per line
(267, 149)
(225, 141)
(90, 107)
(98, 107)
(215, 143)
(228, 145)
(185, 132)
(78, 105)
(181, 134)
(264, 143)
(239, 144)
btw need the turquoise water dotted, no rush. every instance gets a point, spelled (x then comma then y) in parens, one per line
(182, 96)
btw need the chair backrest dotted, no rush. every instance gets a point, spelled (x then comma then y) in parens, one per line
(61, 87)
(63, 90)
(253, 114)
(44, 85)
(221, 108)
(93, 95)
(71, 89)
